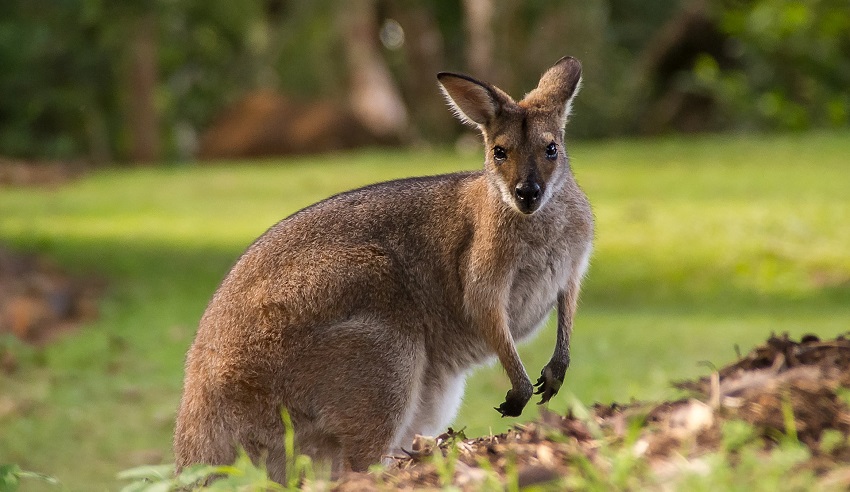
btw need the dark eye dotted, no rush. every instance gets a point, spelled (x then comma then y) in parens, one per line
(499, 153)
(552, 151)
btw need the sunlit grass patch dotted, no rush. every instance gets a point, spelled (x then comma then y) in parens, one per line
(702, 244)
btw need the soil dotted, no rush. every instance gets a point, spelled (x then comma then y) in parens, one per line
(16, 172)
(266, 123)
(807, 381)
(39, 301)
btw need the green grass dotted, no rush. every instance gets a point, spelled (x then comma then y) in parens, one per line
(702, 244)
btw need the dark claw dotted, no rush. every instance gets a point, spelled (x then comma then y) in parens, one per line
(513, 404)
(548, 384)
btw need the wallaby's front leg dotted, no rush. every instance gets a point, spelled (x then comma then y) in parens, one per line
(500, 340)
(552, 375)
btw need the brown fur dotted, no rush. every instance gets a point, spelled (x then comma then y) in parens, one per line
(363, 314)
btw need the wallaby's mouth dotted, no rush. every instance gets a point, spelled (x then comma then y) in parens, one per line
(527, 209)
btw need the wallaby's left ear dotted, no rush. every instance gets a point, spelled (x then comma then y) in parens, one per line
(557, 88)
(474, 103)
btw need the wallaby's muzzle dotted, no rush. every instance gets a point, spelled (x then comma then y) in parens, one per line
(527, 194)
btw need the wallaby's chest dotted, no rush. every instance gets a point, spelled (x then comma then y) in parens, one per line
(540, 272)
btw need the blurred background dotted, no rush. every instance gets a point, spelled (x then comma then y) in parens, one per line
(152, 81)
(711, 136)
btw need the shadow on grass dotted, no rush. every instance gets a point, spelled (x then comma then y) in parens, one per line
(182, 274)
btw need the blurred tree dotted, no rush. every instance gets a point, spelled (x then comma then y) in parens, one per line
(478, 17)
(210, 52)
(136, 81)
(666, 103)
(374, 96)
(84, 78)
(142, 114)
(794, 61)
(56, 82)
(415, 59)
(791, 64)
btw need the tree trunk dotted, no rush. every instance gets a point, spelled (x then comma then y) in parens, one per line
(142, 118)
(423, 57)
(478, 15)
(374, 97)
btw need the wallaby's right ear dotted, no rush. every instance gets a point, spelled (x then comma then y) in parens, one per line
(472, 102)
(557, 88)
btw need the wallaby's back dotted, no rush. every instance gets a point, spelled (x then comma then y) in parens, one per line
(362, 314)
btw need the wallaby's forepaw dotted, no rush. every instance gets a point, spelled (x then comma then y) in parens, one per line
(514, 403)
(550, 381)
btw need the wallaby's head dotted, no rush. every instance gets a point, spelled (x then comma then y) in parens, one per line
(523, 141)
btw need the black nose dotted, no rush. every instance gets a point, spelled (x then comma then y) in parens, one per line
(527, 192)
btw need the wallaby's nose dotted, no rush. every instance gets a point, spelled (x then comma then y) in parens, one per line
(527, 194)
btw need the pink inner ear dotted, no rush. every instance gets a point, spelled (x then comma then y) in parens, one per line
(478, 101)
(472, 101)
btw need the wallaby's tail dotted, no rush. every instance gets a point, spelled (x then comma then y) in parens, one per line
(201, 435)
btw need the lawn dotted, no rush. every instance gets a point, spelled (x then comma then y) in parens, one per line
(703, 244)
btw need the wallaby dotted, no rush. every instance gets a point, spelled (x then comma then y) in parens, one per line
(362, 315)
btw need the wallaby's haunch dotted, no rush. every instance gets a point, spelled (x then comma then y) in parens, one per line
(363, 314)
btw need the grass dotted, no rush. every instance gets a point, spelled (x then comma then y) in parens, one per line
(702, 244)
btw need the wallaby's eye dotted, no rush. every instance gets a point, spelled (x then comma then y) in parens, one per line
(499, 153)
(552, 151)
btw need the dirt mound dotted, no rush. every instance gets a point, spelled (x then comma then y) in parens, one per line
(16, 172)
(783, 390)
(265, 123)
(38, 300)
(805, 375)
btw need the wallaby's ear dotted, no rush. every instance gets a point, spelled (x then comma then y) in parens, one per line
(557, 88)
(473, 102)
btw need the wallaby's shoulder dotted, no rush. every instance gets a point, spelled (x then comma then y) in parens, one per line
(389, 193)
(383, 209)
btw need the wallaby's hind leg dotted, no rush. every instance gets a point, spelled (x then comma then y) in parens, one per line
(364, 396)
(438, 404)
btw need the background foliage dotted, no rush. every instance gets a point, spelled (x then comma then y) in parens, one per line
(790, 67)
(66, 83)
